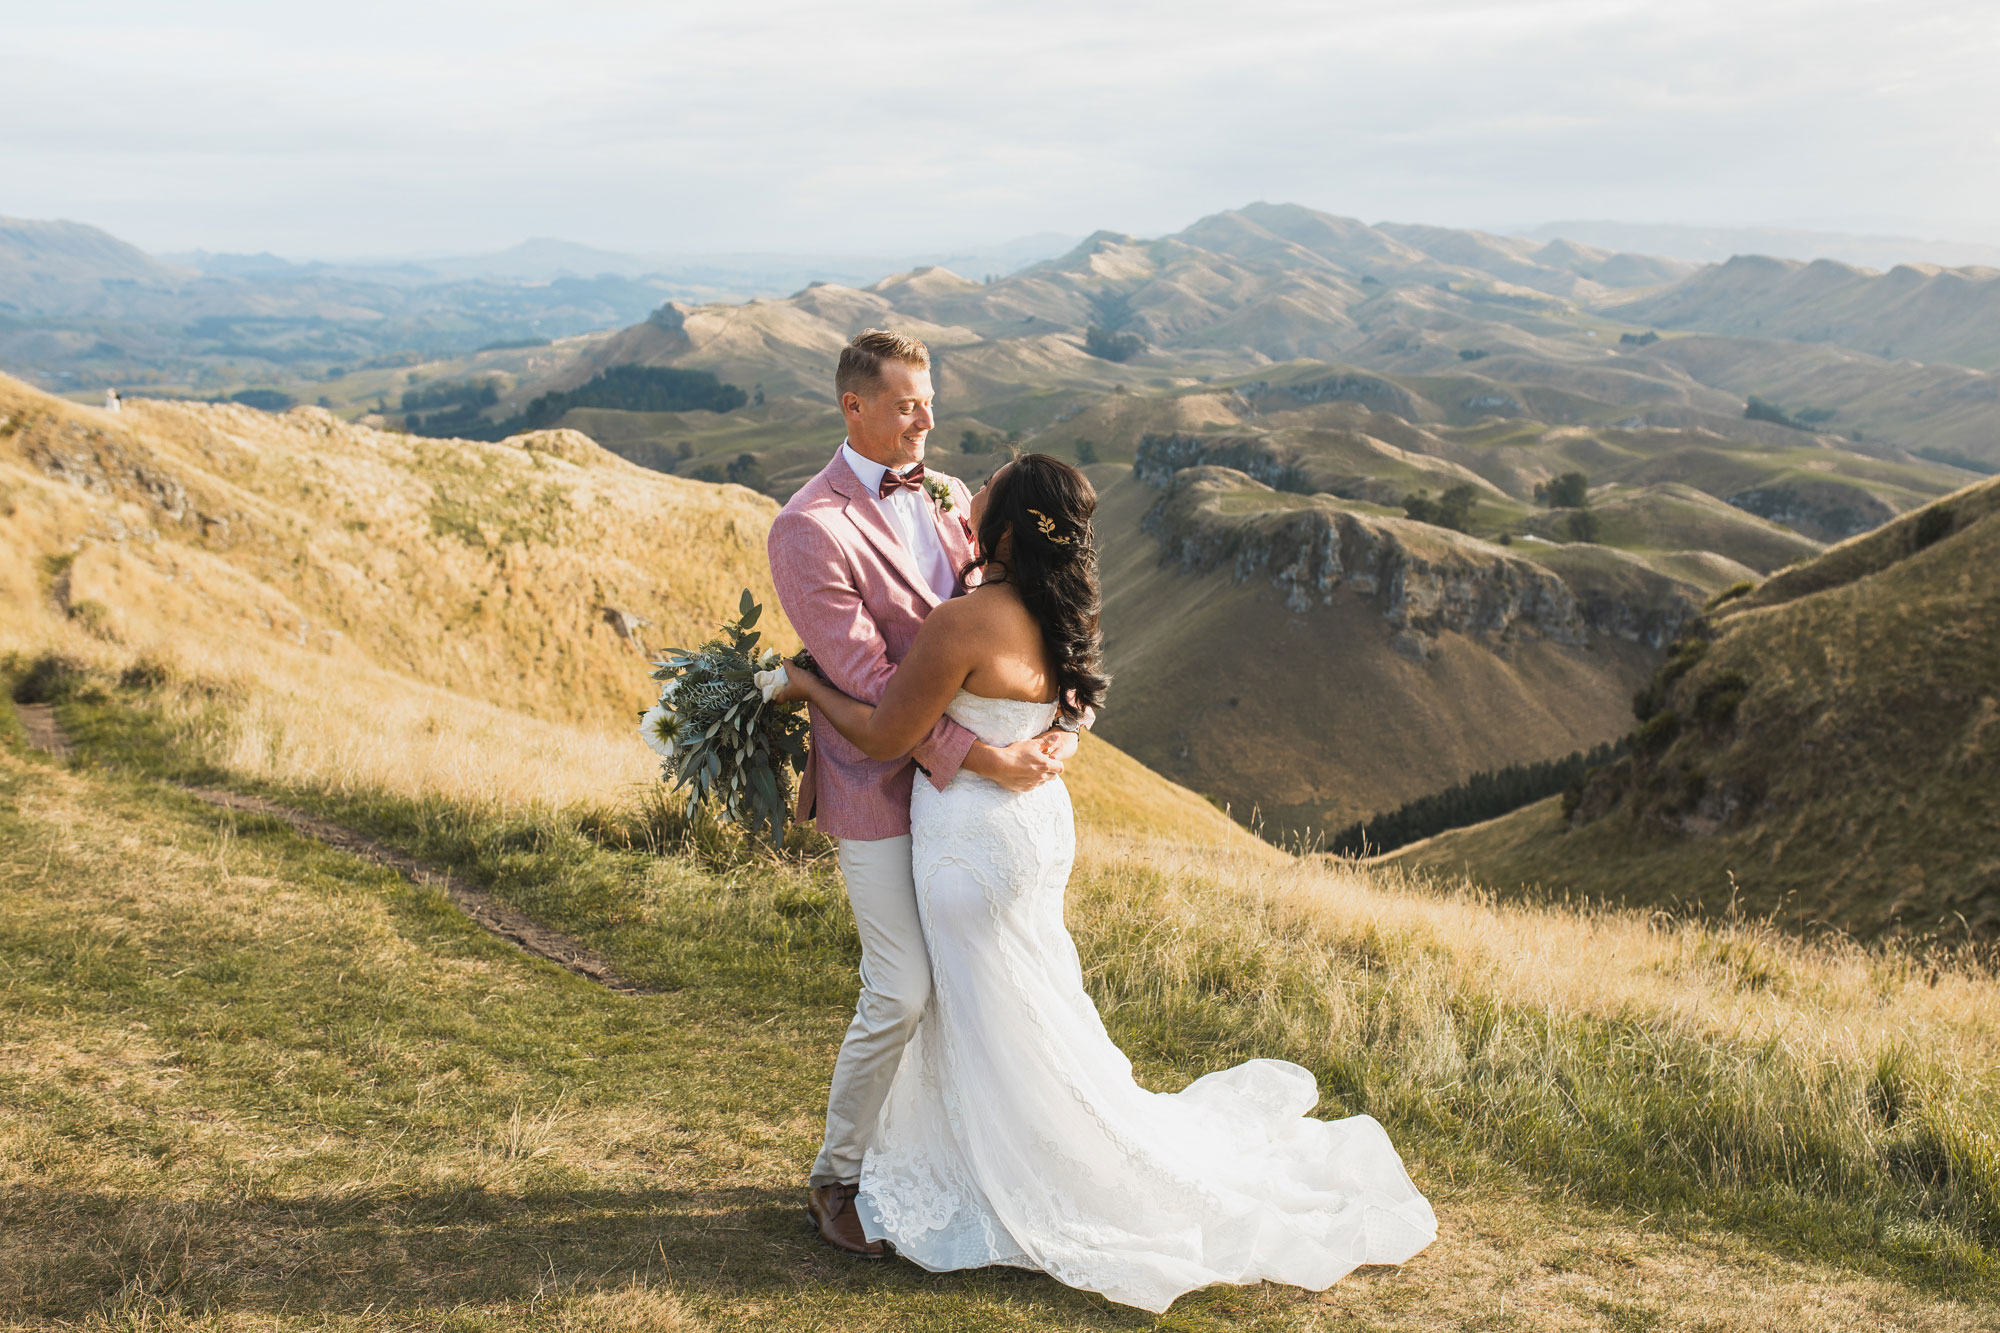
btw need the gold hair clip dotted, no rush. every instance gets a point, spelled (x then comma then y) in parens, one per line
(1048, 527)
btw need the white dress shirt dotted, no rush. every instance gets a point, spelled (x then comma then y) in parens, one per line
(911, 519)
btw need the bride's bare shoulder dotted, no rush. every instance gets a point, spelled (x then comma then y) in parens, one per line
(983, 611)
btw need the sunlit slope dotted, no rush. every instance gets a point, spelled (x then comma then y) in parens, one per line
(1914, 310)
(380, 608)
(1829, 751)
(527, 573)
(1235, 673)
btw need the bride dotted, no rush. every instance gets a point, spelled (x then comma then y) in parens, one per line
(1014, 1132)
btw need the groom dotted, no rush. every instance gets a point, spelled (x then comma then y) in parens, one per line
(860, 556)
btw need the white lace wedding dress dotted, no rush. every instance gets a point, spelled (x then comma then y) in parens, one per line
(1015, 1134)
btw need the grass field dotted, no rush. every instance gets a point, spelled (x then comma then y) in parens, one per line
(251, 1082)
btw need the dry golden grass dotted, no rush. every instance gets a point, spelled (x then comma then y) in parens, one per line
(1740, 983)
(488, 569)
(1474, 1026)
(393, 613)
(263, 1088)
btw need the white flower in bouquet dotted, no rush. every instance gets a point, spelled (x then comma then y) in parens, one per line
(770, 681)
(660, 728)
(717, 732)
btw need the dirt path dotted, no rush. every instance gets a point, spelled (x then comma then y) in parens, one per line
(45, 733)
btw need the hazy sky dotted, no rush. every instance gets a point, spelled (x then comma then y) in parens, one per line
(431, 125)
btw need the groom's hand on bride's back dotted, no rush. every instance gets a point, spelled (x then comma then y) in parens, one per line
(1022, 766)
(1058, 743)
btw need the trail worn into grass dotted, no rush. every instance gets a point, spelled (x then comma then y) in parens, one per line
(45, 733)
(251, 1082)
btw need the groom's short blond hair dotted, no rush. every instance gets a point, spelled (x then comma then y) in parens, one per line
(861, 360)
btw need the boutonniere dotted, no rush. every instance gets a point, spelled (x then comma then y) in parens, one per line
(939, 491)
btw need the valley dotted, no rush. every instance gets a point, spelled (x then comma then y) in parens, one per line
(1385, 507)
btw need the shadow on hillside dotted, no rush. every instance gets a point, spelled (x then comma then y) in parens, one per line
(72, 1255)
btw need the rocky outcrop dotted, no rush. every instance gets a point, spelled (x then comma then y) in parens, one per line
(1425, 580)
(1162, 455)
(1373, 391)
(571, 445)
(98, 461)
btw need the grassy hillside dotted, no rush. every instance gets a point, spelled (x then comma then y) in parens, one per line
(252, 1082)
(382, 608)
(1918, 311)
(1821, 751)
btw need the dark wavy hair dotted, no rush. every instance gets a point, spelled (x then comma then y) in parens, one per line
(1052, 564)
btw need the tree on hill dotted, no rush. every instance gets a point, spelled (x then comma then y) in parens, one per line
(1571, 490)
(1482, 796)
(1103, 343)
(627, 388)
(458, 408)
(1759, 410)
(745, 470)
(1451, 510)
(264, 400)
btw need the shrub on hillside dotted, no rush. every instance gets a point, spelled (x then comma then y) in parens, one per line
(1109, 346)
(1731, 593)
(1656, 733)
(1582, 526)
(626, 389)
(265, 400)
(1682, 657)
(1931, 527)
(1715, 702)
(1571, 490)
(1451, 510)
(48, 679)
(1759, 410)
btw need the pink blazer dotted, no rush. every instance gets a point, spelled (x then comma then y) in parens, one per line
(856, 598)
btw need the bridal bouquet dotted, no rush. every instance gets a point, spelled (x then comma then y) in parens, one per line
(717, 733)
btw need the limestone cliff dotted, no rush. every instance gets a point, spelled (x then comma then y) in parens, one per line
(1423, 580)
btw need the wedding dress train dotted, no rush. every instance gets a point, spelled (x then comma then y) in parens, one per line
(1015, 1134)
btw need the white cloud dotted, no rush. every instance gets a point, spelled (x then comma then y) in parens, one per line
(371, 127)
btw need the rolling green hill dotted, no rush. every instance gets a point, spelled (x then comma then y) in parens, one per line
(1824, 750)
(1914, 310)
(1354, 370)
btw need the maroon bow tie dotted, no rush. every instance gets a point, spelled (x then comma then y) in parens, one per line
(913, 480)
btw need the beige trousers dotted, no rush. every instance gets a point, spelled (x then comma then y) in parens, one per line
(895, 987)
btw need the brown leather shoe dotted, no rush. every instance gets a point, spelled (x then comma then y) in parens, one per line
(831, 1208)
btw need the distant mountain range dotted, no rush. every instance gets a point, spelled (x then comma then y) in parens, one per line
(80, 308)
(545, 258)
(1712, 245)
